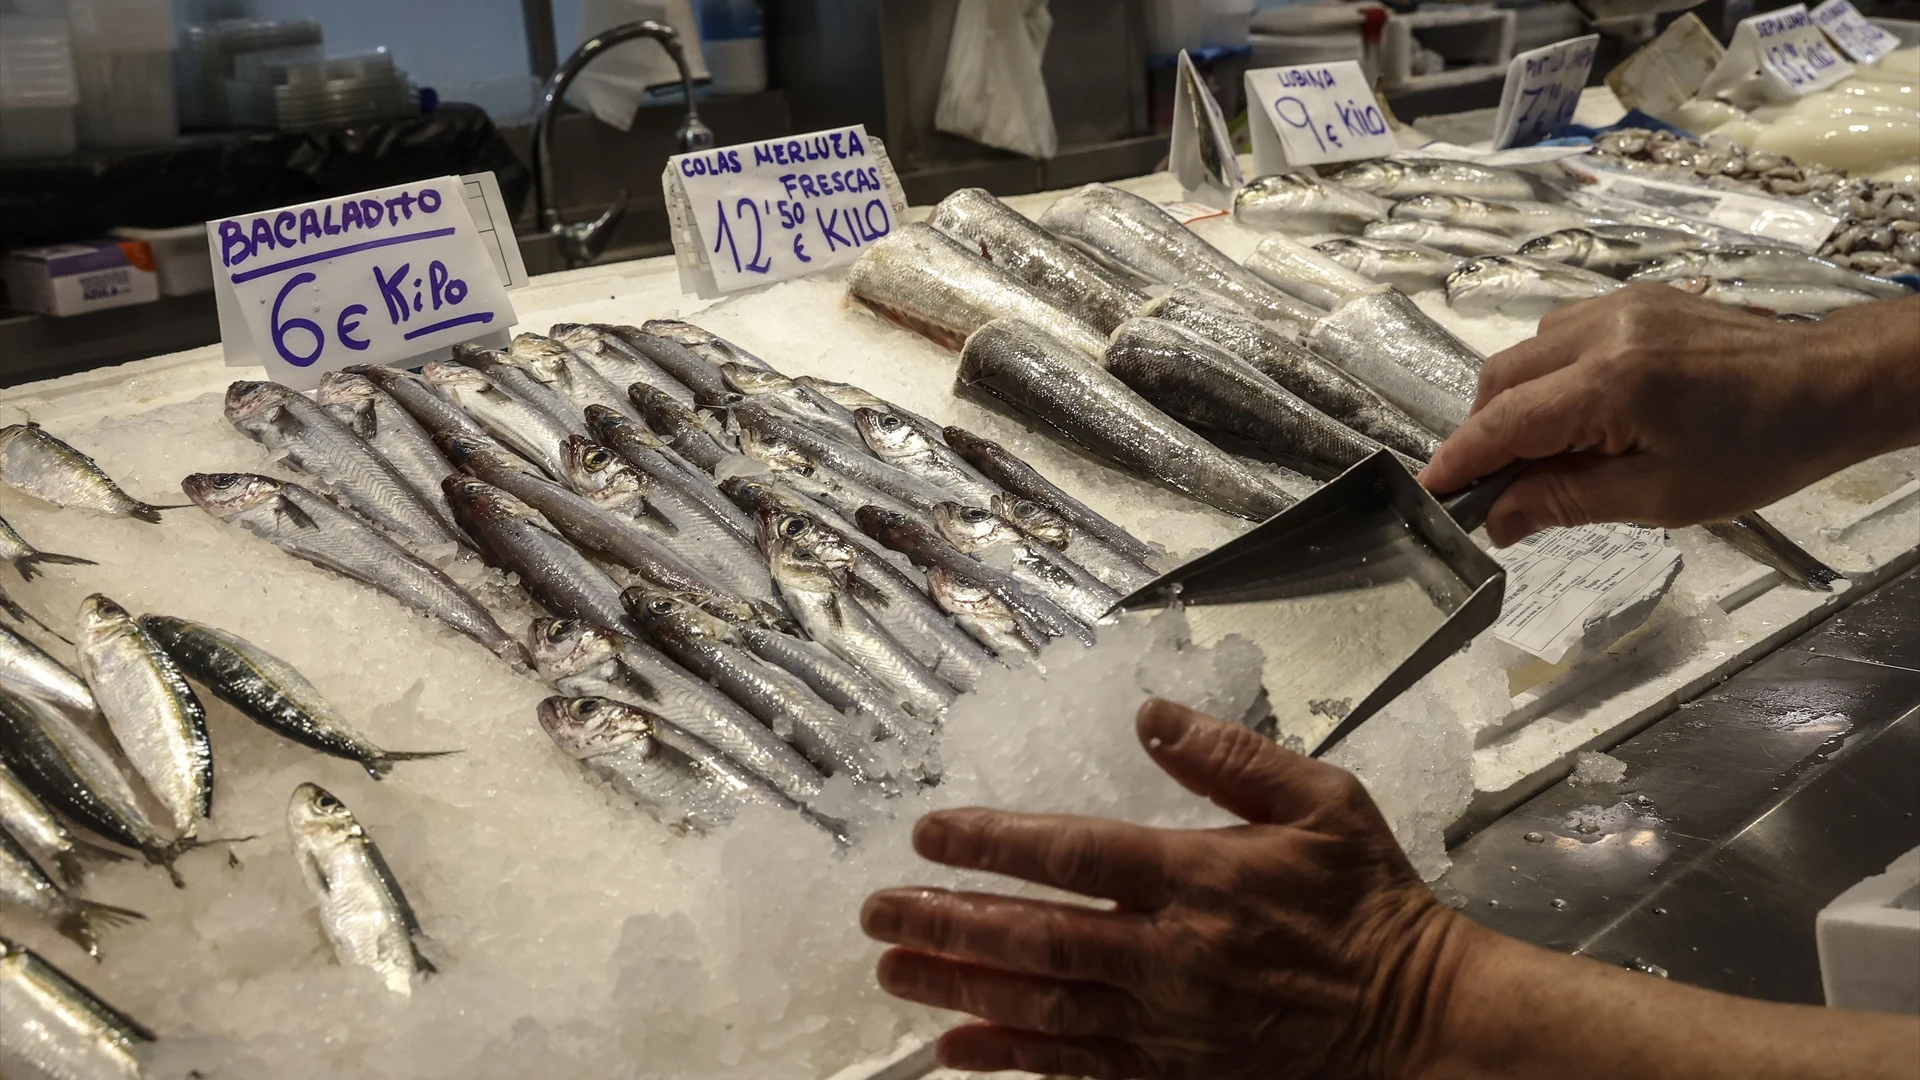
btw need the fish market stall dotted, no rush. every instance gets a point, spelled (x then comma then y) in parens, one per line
(549, 925)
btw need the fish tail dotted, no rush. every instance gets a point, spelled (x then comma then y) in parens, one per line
(29, 565)
(83, 922)
(72, 863)
(379, 767)
(166, 855)
(149, 512)
(20, 614)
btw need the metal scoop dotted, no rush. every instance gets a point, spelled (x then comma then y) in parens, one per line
(1355, 592)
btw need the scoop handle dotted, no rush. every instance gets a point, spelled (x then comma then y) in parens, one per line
(1470, 505)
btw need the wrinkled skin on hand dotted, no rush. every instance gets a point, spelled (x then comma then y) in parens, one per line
(1300, 944)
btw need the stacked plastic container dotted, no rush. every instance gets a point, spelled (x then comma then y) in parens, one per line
(298, 92)
(38, 91)
(123, 55)
(210, 50)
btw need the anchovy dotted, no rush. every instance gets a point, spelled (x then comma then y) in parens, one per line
(686, 432)
(1032, 372)
(1457, 239)
(795, 398)
(1521, 286)
(998, 543)
(26, 818)
(1384, 340)
(1128, 232)
(362, 908)
(928, 549)
(898, 442)
(1774, 297)
(434, 413)
(1301, 271)
(25, 886)
(26, 669)
(1516, 218)
(686, 366)
(641, 448)
(1404, 177)
(985, 616)
(151, 710)
(1403, 264)
(632, 749)
(26, 558)
(1202, 385)
(1115, 569)
(310, 527)
(270, 692)
(757, 497)
(1297, 202)
(524, 429)
(1755, 265)
(1757, 538)
(515, 376)
(1614, 250)
(1297, 369)
(46, 468)
(51, 1026)
(708, 647)
(928, 282)
(514, 537)
(1043, 262)
(1004, 468)
(842, 459)
(616, 361)
(570, 376)
(359, 404)
(710, 347)
(580, 661)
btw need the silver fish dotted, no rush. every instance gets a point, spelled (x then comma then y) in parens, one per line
(1116, 570)
(841, 459)
(526, 430)
(851, 397)
(26, 669)
(434, 412)
(580, 661)
(1302, 272)
(1297, 369)
(798, 400)
(1015, 476)
(692, 437)
(1000, 544)
(570, 376)
(46, 468)
(928, 282)
(270, 692)
(1775, 297)
(641, 448)
(1614, 250)
(838, 683)
(1043, 262)
(710, 347)
(1207, 387)
(928, 549)
(1758, 539)
(899, 442)
(359, 404)
(310, 527)
(985, 616)
(25, 886)
(1403, 264)
(1516, 217)
(843, 495)
(1404, 177)
(151, 710)
(687, 367)
(51, 1026)
(362, 908)
(1757, 264)
(1384, 340)
(513, 375)
(1521, 286)
(1036, 374)
(616, 361)
(1457, 239)
(1297, 202)
(26, 818)
(629, 747)
(514, 537)
(759, 496)
(1128, 232)
(26, 558)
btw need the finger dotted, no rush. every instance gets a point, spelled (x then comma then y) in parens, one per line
(1090, 856)
(1049, 1006)
(1542, 354)
(1033, 937)
(989, 1048)
(1538, 419)
(1579, 489)
(1242, 772)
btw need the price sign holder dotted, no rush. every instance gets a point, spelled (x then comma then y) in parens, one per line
(1542, 90)
(395, 276)
(1787, 50)
(1314, 114)
(750, 215)
(1193, 101)
(1858, 38)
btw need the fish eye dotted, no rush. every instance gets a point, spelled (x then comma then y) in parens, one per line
(794, 527)
(326, 801)
(974, 514)
(585, 707)
(598, 459)
(562, 629)
(889, 422)
(661, 606)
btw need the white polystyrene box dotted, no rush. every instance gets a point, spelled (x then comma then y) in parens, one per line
(1869, 940)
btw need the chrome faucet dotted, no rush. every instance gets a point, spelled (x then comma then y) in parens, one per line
(582, 242)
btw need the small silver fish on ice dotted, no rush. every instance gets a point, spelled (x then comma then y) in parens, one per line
(1405, 177)
(152, 711)
(34, 462)
(1614, 250)
(1298, 203)
(1516, 218)
(51, 1026)
(1303, 272)
(1457, 239)
(362, 909)
(1522, 287)
(1403, 264)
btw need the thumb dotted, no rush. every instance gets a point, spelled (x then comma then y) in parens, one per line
(1577, 489)
(1241, 771)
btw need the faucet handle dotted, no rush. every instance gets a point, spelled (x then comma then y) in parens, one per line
(583, 242)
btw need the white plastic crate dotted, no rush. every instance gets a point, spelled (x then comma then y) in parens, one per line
(1869, 940)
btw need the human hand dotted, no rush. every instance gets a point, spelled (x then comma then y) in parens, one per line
(1652, 406)
(1300, 944)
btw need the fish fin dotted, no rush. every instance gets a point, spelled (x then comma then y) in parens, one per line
(300, 518)
(834, 615)
(379, 767)
(866, 593)
(150, 513)
(20, 614)
(168, 854)
(29, 565)
(422, 963)
(72, 863)
(641, 686)
(319, 872)
(82, 924)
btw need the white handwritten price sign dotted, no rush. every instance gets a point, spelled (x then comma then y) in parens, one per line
(1858, 38)
(1314, 114)
(1793, 57)
(394, 276)
(1543, 88)
(768, 211)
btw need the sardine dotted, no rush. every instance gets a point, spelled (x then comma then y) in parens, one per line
(433, 411)
(838, 683)
(1036, 374)
(524, 429)
(616, 361)
(1519, 218)
(1404, 177)
(25, 817)
(580, 660)
(796, 399)
(817, 481)
(151, 710)
(1132, 234)
(51, 1026)
(570, 376)
(1006, 469)
(1613, 250)
(1403, 264)
(1457, 239)
(1043, 262)
(25, 886)
(985, 616)
(46, 468)
(362, 908)
(758, 496)
(513, 375)
(1762, 264)
(1521, 286)
(514, 537)
(26, 669)
(1208, 388)
(710, 347)
(1384, 340)
(310, 527)
(998, 543)
(686, 366)
(1774, 297)
(928, 549)
(930, 283)
(900, 443)
(629, 747)
(841, 459)
(26, 558)
(270, 692)
(685, 431)
(1757, 538)
(1302, 272)
(1116, 570)
(708, 542)
(645, 451)
(1297, 369)
(1297, 202)
(359, 404)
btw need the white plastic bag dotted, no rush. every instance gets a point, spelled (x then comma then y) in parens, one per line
(992, 91)
(612, 87)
